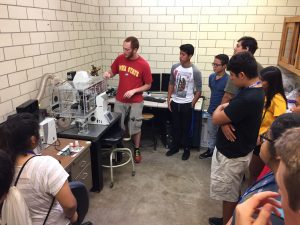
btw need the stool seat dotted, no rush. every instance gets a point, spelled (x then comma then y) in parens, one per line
(147, 116)
(113, 137)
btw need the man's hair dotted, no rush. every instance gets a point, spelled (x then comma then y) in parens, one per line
(288, 148)
(134, 42)
(243, 62)
(249, 43)
(187, 48)
(16, 133)
(279, 126)
(6, 173)
(223, 58)
(272, 75)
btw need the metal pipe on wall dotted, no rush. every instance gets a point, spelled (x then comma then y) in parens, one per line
(44, 80)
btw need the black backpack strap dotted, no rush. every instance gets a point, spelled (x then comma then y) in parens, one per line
(52, 203)
(19, 174)
(49, 210)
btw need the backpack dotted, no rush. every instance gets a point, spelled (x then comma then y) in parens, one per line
(15, 210)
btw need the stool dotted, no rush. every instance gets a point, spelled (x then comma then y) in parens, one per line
(149, 117)
(113, 140)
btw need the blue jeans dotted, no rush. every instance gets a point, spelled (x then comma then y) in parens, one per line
(212, 133)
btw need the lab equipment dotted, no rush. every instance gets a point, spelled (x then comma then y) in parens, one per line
(82, 100)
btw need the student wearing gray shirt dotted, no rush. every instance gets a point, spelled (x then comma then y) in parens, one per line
(183, 92)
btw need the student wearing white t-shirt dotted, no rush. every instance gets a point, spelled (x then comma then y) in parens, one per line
(43, 178)
(6, 174)
(185, 90)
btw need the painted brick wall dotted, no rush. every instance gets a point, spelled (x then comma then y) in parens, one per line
(44, 36)
(56, 36)
(212, 26)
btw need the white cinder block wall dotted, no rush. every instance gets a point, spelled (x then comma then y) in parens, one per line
(56, 36)
(44, 36)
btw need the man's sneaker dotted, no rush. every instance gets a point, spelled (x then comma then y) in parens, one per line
(137, 155)
(171, 152)
(186, 155)
(215, 221)
(206, 155)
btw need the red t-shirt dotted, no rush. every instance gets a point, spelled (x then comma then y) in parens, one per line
(132, 74)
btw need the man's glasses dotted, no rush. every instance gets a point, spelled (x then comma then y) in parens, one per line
(264, 137)
(215, 64)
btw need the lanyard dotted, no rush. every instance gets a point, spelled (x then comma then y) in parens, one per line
(30, 152)
(253, 85)
(269, 179)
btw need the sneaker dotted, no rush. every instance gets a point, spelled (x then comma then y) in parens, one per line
(186, 155)
(206, 155)
(171, 152)
(215, 221)
(137, 155)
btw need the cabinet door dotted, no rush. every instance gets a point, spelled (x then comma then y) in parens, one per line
(86, 177)
(289, 54)
(80, 162)
(81, 169)
(288, 43)
(297, 58)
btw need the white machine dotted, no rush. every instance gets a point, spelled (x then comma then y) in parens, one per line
(102, 114)
(84, 100)
(48, 132)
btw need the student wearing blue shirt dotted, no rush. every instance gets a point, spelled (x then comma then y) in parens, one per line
(258, 209)
(217, 82)
(270, 158)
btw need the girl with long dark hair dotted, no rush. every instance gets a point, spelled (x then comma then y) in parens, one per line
(275, 105)
(43, 181)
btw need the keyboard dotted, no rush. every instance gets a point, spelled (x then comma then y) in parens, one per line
(154, 99)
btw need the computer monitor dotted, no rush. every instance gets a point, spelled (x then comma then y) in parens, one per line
(155, 86)
(165, 77)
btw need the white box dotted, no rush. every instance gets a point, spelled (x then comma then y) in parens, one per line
(48, 131)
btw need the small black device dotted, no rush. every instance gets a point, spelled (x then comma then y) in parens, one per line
(165, 78)
(71, 75)
(155, 86)
(30, 106)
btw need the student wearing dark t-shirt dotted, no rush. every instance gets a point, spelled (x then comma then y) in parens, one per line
(231, 158)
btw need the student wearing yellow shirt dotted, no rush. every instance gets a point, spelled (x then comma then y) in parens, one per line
(275, 105)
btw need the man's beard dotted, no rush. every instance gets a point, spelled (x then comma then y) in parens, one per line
(130, 55)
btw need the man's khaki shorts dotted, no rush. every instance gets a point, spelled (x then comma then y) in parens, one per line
(131, 114)
(226, 176)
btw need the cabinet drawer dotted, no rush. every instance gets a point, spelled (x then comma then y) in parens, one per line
(80, 163)
(86, 177)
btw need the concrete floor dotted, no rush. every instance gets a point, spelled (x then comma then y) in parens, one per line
(164, 191)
